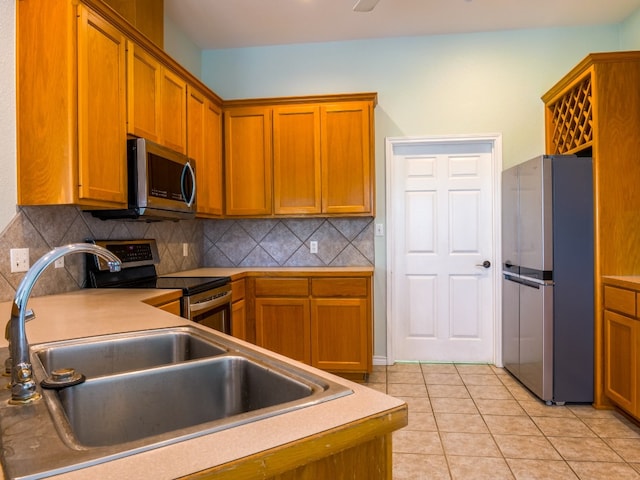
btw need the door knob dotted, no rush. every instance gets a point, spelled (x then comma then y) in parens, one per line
(485, 264)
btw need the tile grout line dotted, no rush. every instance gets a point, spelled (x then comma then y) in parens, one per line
(530, 415)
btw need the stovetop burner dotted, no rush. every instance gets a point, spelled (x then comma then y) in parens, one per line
(139, 258)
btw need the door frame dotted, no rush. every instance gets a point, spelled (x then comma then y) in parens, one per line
(495, 141)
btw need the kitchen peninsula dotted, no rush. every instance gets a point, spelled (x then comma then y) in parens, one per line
(350, 436)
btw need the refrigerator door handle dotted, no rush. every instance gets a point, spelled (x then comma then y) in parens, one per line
(527, 281)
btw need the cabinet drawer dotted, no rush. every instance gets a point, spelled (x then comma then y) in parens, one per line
(340, 287)
(620, 300)
(282, 287)
(237, 290)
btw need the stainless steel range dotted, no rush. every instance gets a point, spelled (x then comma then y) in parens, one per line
(205, 300)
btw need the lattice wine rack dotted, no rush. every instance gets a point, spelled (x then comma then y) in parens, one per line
(572, 118)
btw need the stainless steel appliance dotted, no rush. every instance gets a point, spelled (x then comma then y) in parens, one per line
(205, 300)
(547, 288)
(161, 184)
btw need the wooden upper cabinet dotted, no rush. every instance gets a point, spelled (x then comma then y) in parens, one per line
(146, 15)
(173, 111)
(71, 108)
(248, 161)
(204, 146)
(157, 101)
(143, 91)
(322, 158)
(347, 161)
(101, 110)
(296, 160)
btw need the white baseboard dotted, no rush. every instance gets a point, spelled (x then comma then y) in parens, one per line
(379, 360)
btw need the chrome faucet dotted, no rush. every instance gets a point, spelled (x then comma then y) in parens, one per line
(23, 387)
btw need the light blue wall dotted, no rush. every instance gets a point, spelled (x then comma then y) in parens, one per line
(474, 83)
(449, 84)
(181, 48)
(630, 32)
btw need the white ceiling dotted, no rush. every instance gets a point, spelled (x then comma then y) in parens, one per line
(216, 24)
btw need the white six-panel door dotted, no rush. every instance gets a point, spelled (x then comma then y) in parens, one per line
(441, 231)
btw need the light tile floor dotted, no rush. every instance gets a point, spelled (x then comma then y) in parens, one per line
(477, 422)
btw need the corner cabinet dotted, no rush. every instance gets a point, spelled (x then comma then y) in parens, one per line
(71, 106)
(204, 146)
(594, 111)
(318, 151)
(89, 79)
(238, 309)
(157, 100)
(324, 321)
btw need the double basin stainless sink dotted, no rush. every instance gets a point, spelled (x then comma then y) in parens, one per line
(145, 390)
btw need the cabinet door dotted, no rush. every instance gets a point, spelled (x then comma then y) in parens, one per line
(621, 338)
(143, 94)
(102, 153)
(347, 163)
(204, 135)
(173, 111)
(239, 319)
(282, 325)
(171, 307)
(296, 160)
(247, 134)
(340, 334)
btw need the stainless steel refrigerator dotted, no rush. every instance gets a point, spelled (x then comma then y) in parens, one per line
(547, 286)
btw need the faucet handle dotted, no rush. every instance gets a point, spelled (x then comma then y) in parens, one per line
(28, 315)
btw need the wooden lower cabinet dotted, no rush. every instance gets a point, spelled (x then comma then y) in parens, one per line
(171, 307)
(322, 321)
(239, 309)
(167, 302)
(622, 349)
(282, 325)
(339, 337)
(622, 335)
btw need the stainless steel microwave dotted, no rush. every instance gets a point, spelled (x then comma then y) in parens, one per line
(161, 183)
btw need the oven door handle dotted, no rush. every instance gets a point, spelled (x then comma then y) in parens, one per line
(196, 308)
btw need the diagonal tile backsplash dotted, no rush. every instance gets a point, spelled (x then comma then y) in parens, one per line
(285, 242)
(43, 228)
(211, 243)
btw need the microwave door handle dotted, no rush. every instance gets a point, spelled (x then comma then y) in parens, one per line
(192, 197)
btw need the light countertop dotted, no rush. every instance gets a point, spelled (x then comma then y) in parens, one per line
(238, 272)
(102, 311)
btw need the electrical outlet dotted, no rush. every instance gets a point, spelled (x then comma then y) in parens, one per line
(185, 249)
(379, 230)
(19, 259)
(313, 246)
(59, 263)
